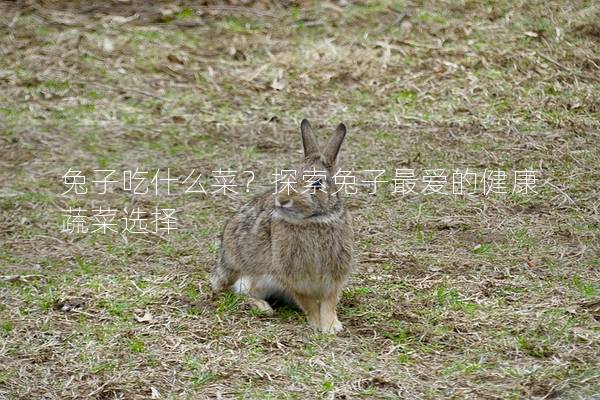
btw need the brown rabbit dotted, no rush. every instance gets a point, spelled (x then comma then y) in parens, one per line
(296, 244)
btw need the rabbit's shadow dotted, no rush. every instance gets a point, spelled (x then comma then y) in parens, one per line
(283, 303)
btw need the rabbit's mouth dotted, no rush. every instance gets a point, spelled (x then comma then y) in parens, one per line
(286, 210)
(289, 214)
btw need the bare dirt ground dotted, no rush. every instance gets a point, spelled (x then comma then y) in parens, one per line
(483, 296)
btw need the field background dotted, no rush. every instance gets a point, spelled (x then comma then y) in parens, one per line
(483, 297)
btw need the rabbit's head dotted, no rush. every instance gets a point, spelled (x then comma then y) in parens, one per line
(312, 195)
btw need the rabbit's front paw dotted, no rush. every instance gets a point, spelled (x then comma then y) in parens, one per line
(332, 327)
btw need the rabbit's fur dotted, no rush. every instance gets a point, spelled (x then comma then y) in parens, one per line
(295, 245)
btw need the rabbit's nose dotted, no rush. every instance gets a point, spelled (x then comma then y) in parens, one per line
(287, 203)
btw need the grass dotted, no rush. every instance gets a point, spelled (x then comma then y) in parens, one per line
(479, 295)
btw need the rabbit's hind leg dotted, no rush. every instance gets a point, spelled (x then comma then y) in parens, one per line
(222, 277)
(257, 292)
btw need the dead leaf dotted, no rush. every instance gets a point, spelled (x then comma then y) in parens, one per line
(278, 82)
(147, 317)
(174, 59)
(70, 304)
(236, 54)
(107, 45)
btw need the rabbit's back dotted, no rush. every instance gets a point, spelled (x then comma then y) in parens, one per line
(247, 238)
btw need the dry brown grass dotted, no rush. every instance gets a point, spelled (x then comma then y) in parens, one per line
(480, 297)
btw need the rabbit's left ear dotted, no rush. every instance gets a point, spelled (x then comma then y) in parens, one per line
(333, 147)
(309, 141)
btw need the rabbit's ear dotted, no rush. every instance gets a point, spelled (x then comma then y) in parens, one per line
(333, 147)
(309, 141)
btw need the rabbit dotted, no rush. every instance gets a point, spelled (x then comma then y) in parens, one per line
(297, 244)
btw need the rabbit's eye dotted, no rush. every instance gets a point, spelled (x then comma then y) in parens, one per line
(317, 184)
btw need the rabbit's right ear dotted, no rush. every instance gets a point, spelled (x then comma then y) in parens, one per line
(309, 141)
(333, 147)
